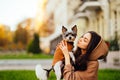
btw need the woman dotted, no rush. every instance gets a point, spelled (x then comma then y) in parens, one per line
(90, 48)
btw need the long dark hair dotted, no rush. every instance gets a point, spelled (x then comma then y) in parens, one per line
(81, 60)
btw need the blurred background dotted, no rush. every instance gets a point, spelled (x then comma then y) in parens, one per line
(30, 27)
(20, 20)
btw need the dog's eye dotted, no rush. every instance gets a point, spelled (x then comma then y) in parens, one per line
(73, 34)
(66, 35)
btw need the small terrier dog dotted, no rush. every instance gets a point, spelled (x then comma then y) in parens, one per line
(58, 59)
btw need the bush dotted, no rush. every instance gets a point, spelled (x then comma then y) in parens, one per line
(33, 46)
(114, 46)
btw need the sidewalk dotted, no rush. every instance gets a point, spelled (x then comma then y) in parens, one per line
(24, 64)
(29, 64)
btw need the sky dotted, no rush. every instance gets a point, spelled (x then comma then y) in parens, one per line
(14, 11)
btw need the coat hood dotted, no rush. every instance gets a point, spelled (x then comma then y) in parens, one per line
(100, 51)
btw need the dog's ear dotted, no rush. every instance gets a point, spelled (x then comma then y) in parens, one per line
(64, 29)
(74, 28)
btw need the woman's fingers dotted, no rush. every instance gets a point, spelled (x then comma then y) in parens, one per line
(62, 45)
(65, 43)
(58, 45)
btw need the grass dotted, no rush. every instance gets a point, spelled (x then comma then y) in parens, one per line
(106, 74)
(20, 75)
(109, 74)
(25, 56)
(17, 75)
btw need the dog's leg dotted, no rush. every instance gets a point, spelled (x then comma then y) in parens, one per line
(41, 74)
(72, 56)
(57, 68)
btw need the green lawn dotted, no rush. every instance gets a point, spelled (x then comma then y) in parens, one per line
(25, 56)
(21, 75)
(107, 74)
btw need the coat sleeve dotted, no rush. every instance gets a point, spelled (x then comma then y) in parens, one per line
(90, 73)
(70, 74)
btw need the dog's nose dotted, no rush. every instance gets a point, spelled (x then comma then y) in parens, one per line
(70, 37)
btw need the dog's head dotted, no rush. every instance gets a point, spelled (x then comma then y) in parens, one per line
(69, 35)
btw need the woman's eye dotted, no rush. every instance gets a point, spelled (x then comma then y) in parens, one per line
(85, 40)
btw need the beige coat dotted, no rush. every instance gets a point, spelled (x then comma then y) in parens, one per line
(92, 70)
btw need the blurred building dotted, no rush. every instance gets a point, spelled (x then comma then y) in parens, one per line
(44, 22)
(95, 13)
(59, 12)
(101, 16)
(114, 18)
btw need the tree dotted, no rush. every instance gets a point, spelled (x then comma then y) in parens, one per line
(114, 46)
(5, 35)
(21, 35)
(33, 46)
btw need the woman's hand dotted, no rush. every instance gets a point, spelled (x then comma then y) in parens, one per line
(63, 46)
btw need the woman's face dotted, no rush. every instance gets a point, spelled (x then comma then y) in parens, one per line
(84, 41)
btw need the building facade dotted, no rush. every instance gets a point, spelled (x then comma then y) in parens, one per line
(101, 16)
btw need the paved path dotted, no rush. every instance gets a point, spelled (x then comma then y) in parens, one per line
(23, 64)
(30, 64)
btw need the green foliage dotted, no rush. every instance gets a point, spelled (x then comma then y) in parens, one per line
(33, 46)
(23, 55)
(114, 46)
